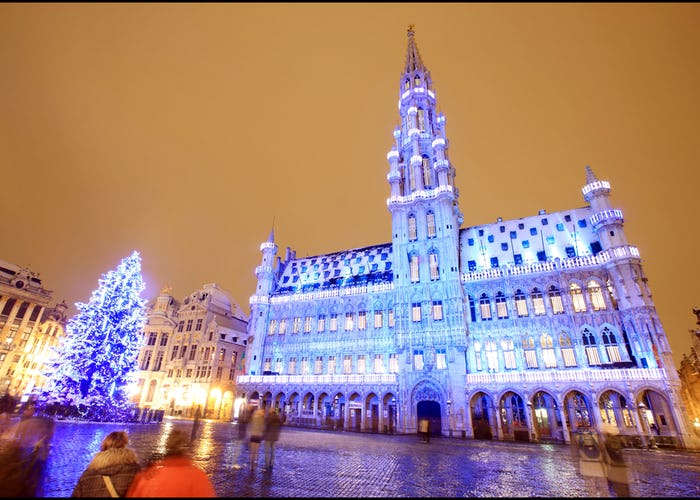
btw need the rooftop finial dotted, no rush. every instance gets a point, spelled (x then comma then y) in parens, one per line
(413, 59)
(411, 32)
(590, 176)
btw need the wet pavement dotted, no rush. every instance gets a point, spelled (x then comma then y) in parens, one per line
(315, 463)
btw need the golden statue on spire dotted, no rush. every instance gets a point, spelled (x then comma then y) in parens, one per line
(410, 28)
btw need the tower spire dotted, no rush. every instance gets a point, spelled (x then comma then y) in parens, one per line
(590, 176)
(413, 59)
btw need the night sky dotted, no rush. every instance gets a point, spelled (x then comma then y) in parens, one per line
(184, 130)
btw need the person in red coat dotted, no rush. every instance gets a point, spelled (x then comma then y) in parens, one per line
(175, 475)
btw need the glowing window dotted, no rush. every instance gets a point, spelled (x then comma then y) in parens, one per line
(362, 320)
(550, 360)
(440, 359)
(485, 307)
(501, 309)
(437, 310)
(595, 294)
(349, 321)
(412, 230)
(425, 167)
(418, 359)
(430, 219)
(555, 300)
(577, 298)
(434, 268)
(520, 303)
(378, 319)
(415, 312)
(414, 269)
(508, 353)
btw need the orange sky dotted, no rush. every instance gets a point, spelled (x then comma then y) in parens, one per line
(183, 130)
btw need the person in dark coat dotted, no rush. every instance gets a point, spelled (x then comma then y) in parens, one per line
(242, 427)
(271, 436)
(115, 466)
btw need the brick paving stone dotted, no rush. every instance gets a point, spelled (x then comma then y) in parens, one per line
(314, 463)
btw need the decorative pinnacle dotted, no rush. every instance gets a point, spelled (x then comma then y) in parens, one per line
(590, 176)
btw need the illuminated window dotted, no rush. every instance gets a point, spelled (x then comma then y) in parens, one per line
(611, 347)
(347, 364)
(152, 338)
(361, 364)
(307, 324)
(501, 309)
(278, 365)
(378, 363)
(189, 325)
(440, 359)
(538, 302)
(550, 360)
(426, 172)
(520, 303)
(591, 348)
(414, 269)
(418, 359)
(362, 320)
(412, 229)
(198, 326)
(349, 321)
(283, 326)
(437, 310)
(555, 300)
(393, 363)
(508, 353)
(378, 320)
(331, 365)
(390, 319)
(421, 119)
(411, 178)
(567, 351)
(595, 294)
(430, 220)
(485, 307)
(530, 353)
(577, 298)
(296, 325)
(491, 355)
(267, 365)
(415, 312)
(416, 80)
(477, 355)
(321, 325)
(407, 84)
(333, 327)
(305, 367)
(434, 268)
(292, 366)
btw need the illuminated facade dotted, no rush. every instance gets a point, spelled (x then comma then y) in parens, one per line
(192, 352)
(525, 329)
(689, 373)
(29, 329)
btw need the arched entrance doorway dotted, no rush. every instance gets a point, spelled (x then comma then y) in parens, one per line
(431, 411)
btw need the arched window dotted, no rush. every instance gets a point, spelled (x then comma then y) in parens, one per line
(411, 178)
(349, 321)
(501, 308)
(538, 302)
(595, 294)
(485, 307)
(407, 84)
(283, 326)
(590, 347)
(530, 353)
(378, 315)
(415, 278)
(520, 303)
(434, 268)
(430, 221)
(412, 228)
(555, 300)
(491, 355)
(416, 80)
(426, 172)
(577, 298)
(421, 119)
(567, 350)
(607, 409)
(611, 347)
(550, 360)
(508, 353)
(477, 355)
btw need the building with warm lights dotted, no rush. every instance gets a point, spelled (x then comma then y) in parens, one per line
(689, 373)
(29, 329)
(193, 349)
(529, 329)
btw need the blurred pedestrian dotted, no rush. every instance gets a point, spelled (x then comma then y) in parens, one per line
(256, 428)
(242, 433)
(25, 450)
(196, 423)
(617, 470)
(174, 475)
(592, 464)
(271, 436)
(111, 470)
(424, 428)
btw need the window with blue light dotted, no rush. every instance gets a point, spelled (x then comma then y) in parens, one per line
(526, 243)
(596, 248)
(518, 259)
(560, 226)
(494, 262)
(490, 238)
(521, 226)
(470, 242)
(544, 222)
(503, 229)
(570, 252)
(533, 231)
(504, 246)
(481, 232)
(550, 240)
(582, 223)
(567, 218)
(541, 256)
(513, 235)
(471, 264)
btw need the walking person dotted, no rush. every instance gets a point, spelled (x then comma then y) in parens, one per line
(242, 427)
(111, 470)
(424, 428)
(175, 475)
(256, 429)
(271, 436)
(617, 470)
(592, 464)
(196, 423)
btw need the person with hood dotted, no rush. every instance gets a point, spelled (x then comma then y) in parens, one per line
(174, 475)
(111, 470)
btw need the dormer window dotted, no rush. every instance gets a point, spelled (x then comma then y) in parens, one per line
(416, 81)
(407, 84)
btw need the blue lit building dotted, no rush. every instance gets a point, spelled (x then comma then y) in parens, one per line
(526, 329)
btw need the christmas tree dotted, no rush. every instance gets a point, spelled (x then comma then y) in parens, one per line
(96, 362)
